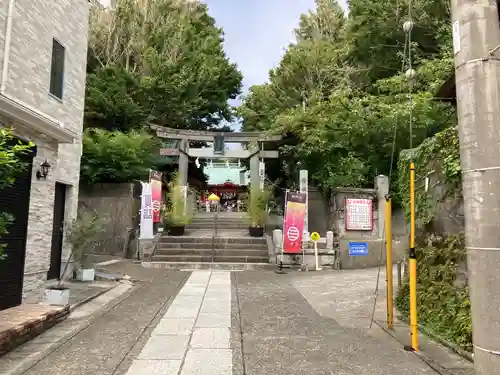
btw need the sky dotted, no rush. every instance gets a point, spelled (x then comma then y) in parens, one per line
(257, 33)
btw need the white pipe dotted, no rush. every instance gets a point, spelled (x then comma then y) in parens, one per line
(6, 50)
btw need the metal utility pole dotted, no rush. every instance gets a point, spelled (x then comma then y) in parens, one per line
(476, 39)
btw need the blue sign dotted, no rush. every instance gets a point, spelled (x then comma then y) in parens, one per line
(357, 249)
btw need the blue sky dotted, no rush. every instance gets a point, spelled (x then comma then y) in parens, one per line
(257, 32)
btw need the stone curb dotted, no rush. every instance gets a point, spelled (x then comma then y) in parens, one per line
(428, 361)
(461, 352)
(88, 299)
(31, 360)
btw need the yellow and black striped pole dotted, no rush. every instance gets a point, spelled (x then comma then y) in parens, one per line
(388, 264)
(413, 264)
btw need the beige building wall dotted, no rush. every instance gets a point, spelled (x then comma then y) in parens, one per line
(34, 26)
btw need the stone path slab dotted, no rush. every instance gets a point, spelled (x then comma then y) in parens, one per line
(193, 337)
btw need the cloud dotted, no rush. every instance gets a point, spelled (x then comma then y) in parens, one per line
(257, 33)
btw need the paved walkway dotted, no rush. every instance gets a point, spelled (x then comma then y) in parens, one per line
(193, 335)
(229, 323)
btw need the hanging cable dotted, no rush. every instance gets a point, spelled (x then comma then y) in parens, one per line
(410, 75)
(393, 152)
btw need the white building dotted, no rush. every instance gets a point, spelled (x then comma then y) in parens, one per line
(43, 49)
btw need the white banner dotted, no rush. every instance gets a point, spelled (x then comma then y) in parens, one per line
(262, 174)
(303, 188)
(146, 212)
(184, 191)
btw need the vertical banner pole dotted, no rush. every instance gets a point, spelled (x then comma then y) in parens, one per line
(284, 225)
(388, 257)
(413, 264)
(303, 188)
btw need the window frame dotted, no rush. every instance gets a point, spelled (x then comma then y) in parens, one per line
(57, 66)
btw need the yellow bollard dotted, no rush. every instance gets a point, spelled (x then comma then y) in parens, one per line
(388, 265)
(413, 265)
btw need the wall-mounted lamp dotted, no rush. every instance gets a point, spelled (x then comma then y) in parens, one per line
(43, 172)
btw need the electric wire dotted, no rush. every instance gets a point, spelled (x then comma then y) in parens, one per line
(407, 46)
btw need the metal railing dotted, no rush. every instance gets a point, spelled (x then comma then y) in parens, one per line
(215, 230)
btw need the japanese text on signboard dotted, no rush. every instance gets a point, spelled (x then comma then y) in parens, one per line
(358, 214)
(148, 207)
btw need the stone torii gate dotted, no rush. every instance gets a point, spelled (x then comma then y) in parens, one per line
(181, 148)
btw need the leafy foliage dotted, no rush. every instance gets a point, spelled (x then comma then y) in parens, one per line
(11, 163)
(443, 306)
(116, 156)
(158, 61)
(257, 206)
(82, 234)
(339, 97)
(438, 154)
(175, 213)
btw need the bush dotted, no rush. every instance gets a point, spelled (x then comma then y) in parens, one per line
(117, 157)
(10, 165)
(257, 206)
(175, 213)
(443, 306)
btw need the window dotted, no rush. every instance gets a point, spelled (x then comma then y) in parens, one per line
(57, 70)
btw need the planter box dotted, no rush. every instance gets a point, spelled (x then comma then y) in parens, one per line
(176, 231)
(85, 274)
(58, 297)
(256, 231)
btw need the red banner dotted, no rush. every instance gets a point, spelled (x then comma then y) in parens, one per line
(293, 226)
(156, 185)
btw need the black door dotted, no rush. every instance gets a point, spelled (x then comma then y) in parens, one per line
(15, 201)
(57, 232)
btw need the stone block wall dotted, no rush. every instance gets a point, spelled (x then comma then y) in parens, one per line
(119, 204)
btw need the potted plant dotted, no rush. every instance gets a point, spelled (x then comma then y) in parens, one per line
(257, 210)
(81, 235)
(175, 212)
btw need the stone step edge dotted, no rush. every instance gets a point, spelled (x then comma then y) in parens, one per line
(233, 266)
(192, 256)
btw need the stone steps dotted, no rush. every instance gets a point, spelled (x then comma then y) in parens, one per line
(211, 225)
(208, 240)
(208, 245)
(193, 258)
(188, 266)
(208, 252)
(231, 249)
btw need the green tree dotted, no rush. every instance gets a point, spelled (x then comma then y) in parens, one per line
(337, 104)
(11, 164)
(376, 37)
(117, 157)
(158, 61)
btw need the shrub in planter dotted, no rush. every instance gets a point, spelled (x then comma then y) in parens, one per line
(175, 212)
(258, 210)
(81, 234)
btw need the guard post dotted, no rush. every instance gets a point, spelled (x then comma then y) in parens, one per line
(315, 238)
(388, 265)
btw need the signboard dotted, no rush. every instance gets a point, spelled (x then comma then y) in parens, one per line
(303, 188)
(293, 226)
(358, 214)
(156, 185)
(357, 249)
(146, 212)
